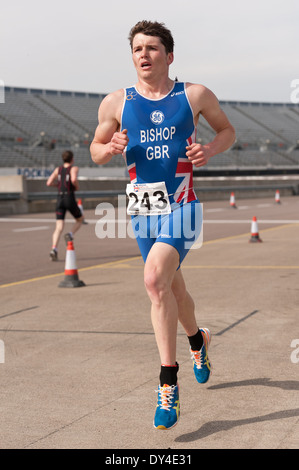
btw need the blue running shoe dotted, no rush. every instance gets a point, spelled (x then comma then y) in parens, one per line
(168, 407)
(201, 364)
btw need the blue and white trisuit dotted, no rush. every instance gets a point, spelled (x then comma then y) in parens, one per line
(158, 132)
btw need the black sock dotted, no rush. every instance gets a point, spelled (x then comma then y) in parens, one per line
(168, 375)
(196, 341)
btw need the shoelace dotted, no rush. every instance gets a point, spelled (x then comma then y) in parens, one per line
(166, 395)
(197, 357)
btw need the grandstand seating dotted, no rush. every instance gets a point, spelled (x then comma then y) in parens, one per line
(37, 125)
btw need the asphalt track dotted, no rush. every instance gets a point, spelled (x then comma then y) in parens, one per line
(79, 367)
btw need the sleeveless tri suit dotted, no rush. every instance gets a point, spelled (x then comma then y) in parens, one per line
(158, 132)
(66, 195)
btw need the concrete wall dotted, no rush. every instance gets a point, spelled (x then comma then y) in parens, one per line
(13, 194)
(20, 195)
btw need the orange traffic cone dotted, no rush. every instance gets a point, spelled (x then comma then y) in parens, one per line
(255, 238)
(80, 205)
(232, 201)
(71, 278)
(277, 197)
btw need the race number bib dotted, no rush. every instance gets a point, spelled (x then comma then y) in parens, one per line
(148, 199)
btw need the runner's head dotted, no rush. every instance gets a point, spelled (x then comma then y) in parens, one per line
(153, 28)
(67, 156)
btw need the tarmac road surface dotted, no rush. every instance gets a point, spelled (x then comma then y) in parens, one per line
(79, 367)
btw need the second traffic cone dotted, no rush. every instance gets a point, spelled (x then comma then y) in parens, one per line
(232, 201)
(277, 197)
(255, 238)
(71, 278)
(80, 205)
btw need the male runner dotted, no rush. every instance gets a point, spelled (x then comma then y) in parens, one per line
(153, 124)
(65, 179)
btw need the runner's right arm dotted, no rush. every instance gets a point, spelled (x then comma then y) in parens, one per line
(108, 140)
(52, 180)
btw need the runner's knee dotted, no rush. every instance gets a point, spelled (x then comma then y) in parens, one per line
(156, 283)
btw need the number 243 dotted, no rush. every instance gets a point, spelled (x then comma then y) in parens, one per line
(145, 201)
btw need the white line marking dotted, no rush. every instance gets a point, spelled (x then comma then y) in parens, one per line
(2, 219)
(30, 229)
(262, 221)
(19, 220)
(214, 210)
(211, 221)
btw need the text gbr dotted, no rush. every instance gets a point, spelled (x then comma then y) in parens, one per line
(157, 135)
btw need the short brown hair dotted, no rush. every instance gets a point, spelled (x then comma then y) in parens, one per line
(153, 28)
(67, 156)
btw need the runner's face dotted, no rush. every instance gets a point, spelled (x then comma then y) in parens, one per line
(149, 56)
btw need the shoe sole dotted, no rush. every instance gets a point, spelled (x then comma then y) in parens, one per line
(207, 345)
(164, 428)
(208, 336)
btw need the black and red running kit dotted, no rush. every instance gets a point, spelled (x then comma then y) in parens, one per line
(66, 195)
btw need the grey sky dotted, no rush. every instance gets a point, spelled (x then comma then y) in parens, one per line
(241, 50)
